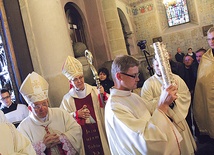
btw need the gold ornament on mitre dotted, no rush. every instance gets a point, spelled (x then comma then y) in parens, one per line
(34, 88)
(72, 68)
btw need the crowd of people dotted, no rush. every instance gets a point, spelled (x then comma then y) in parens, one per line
(196, 70)
(111, 119)
(186, 67)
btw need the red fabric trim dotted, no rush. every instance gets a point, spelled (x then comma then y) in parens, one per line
(100, 101)
(105, 98)
(71, 86)
(80, 121)
(77, 117)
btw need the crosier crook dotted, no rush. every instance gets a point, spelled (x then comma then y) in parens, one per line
(89, 58)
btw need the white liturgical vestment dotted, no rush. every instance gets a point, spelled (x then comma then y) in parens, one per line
(150, 93)
(132, 130)
(58, 121)
(13, 142)
(15, 116)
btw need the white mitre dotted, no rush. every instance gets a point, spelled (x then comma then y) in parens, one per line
(34, 88)
(72, 68)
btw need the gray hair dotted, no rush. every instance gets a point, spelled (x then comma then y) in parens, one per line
(122, 63)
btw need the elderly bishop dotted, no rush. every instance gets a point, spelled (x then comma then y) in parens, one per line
(82, 102)
(52, 131)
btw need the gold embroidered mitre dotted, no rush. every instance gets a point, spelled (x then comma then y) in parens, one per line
(34, 88)
(72, 68)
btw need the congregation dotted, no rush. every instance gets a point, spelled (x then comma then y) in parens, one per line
(126, 123)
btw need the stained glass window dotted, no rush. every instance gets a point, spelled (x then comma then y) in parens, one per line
(177, 12)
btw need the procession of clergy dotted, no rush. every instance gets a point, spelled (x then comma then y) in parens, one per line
(133, 124)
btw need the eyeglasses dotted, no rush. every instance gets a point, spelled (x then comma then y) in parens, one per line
(39, 106)
(210, 39)
(6, 97)
(77, 79)
(132, 76)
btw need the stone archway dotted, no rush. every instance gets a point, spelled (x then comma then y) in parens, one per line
(126, 29)
(75, 22)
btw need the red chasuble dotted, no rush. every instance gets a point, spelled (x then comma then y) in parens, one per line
(90, 132)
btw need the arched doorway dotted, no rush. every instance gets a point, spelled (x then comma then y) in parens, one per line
(77, 31)
(75, 22)
(126, 29)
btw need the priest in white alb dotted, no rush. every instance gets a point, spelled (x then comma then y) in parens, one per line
(130, 127)
(151, 92)
(52, 131)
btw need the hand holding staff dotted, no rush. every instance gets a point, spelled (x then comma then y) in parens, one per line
(89, 58)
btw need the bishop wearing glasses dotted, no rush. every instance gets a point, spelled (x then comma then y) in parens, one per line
(82, 102)
(52, 131)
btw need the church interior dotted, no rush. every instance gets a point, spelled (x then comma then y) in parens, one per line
(39, 35)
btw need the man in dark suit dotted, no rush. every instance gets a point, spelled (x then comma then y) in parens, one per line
(179, 55)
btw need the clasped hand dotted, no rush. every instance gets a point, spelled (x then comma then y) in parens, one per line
(84, 112)
(51, 140)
